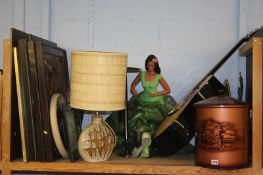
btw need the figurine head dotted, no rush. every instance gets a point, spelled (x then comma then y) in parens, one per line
(153, 60)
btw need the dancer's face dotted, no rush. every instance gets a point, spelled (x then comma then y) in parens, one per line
(150, 66)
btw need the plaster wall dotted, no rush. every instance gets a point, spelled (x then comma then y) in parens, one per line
(188, 36)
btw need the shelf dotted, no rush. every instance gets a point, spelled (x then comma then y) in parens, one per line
(178, 164)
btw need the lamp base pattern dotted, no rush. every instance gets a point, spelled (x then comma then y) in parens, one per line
(97, 141)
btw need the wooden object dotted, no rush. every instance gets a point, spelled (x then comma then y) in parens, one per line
(44, 71)
(178, 165)
(52, 72)
(257, 102)
(34, 99)
(27, 102)
(253, 51)
(1, 95)
(6, 114)
(6, 118)
(20, 106)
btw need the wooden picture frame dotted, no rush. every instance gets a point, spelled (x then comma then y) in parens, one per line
(52, 70)
(45, 72)
(28, 104)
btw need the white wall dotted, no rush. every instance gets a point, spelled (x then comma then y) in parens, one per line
(188, 36)
(251, 17)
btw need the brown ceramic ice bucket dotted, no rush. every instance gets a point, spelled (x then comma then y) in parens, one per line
(221, 133)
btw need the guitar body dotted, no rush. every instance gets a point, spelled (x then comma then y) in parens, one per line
(182, 130)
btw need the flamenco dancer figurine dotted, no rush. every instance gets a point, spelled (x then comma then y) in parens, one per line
(146, 110)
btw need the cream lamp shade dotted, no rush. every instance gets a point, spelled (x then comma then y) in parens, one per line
(98, 80)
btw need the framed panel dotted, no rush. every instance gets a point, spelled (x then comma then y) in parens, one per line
(52, 70)
(45, 72)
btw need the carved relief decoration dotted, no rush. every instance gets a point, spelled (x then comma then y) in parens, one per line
(216, 136)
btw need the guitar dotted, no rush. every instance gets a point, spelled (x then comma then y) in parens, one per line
(178, 128)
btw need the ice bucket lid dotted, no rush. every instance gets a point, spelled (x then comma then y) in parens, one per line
(221, 101)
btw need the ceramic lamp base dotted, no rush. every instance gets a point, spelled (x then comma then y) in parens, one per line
(96, 141)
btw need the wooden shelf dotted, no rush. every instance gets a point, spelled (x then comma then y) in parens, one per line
(178, 164)
(121, 168)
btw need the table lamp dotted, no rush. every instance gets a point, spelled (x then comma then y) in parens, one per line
(97, 84)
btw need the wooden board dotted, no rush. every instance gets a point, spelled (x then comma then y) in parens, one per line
(6, 114)
(28, 106)
(257, 67)
(35, 101)
(1, 95)
(177, 165)
(52, 70)
(20, 105)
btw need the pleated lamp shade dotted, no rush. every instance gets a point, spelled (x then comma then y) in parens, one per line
(98, 80)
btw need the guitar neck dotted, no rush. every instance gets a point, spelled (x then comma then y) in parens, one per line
(256, 32)
(223, 60)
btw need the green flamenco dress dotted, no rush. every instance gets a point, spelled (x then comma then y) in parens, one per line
(145, 114)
